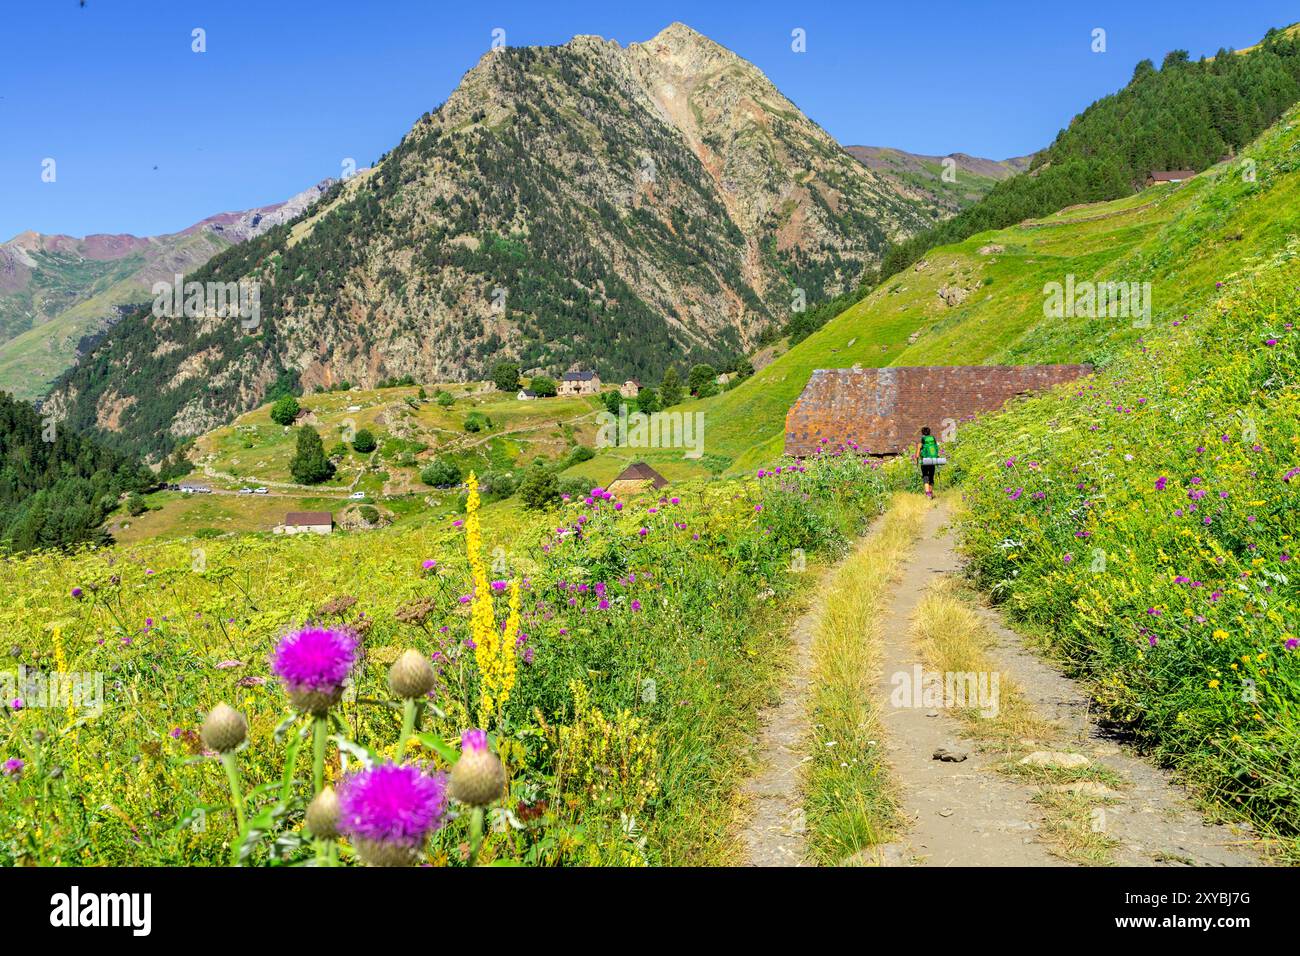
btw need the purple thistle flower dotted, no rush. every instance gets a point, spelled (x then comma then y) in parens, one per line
(473, 741)
(313, 663)
(76, 593)
(1292, 644)
(13, 766)
(395, 806)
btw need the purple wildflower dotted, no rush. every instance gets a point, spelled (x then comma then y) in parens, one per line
(397, 806)
(313, 663)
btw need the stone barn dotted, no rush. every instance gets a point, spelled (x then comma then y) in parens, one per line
(882, 410)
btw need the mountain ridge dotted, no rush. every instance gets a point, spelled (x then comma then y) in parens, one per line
(624, 208)
(56, 289)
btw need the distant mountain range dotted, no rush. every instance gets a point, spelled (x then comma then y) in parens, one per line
(954, 181)
(623, 208)
(55, 291)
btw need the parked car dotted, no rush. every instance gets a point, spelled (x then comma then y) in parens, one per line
(259, 491)
(245, 491)
(357, 495)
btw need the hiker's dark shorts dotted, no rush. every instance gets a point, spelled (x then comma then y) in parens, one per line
(927, 474)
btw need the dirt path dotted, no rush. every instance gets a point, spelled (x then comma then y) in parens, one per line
(1152, 819)
(963, 813)
(966, 813)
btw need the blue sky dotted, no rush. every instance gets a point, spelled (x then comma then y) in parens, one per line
(287, 89)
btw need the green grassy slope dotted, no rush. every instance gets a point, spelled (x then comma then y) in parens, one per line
(1145, 522)
(1181, 239)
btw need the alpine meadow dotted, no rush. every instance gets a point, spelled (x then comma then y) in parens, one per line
(629, 466)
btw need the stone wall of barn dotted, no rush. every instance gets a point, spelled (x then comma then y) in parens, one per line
(882, 410)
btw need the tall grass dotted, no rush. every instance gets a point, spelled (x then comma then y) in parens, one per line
(848, 800)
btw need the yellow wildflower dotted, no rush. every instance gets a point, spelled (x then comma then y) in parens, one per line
(494, 651)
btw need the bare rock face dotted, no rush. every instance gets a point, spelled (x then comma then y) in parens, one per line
(616, 208)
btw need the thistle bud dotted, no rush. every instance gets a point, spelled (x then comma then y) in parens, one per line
(411, 675)
(323, 815)
(379, 853)
(224, 729)
(315, 702)
(478, 778)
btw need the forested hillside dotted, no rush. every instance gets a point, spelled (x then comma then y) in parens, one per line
(55, 493)
(1186, 115)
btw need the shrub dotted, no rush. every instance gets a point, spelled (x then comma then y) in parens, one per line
(364, 441)
(539, 489)
(579, 453)
(285, 410)
(506, 376)
(442, 473)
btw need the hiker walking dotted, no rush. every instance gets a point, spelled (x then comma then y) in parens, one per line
(927, 450)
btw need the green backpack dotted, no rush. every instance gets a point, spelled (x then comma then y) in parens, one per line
(929, 447)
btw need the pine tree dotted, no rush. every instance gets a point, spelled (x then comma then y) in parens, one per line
(310, 466)
(670, 389)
